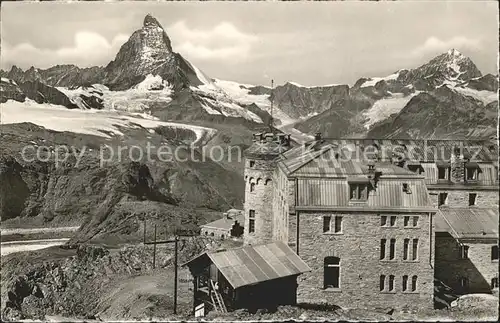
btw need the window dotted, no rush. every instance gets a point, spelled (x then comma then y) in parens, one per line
(251, 221)
(406, 188)
(337, 224)
(267, 181)
(331, 277)
(391, 283)
(415, 220)
(471, 174)
(415, 249)
(383, 243)
(494, 253)
(212, 234)
(443, 172)
(326, 223)
(383, 220)
(406, 221)
(222, 236)
(405, 283)
(494, 282)
(382, 282)
(392, 249)
(252, 187)
(359, 192)
(252, 163)
(390, 223)
(406, 249)
(414, 283)
(464, 252)
(443, 199)
(472, 199)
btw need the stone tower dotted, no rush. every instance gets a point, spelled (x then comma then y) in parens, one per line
(260, 163)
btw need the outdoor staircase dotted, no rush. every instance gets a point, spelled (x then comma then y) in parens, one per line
(217, 300)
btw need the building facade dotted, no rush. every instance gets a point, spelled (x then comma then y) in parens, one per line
(467, 249)
(229, 226)
(361, 213)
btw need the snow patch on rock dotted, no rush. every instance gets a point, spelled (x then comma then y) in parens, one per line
(383, 108)
(374, 80)
(486, 97)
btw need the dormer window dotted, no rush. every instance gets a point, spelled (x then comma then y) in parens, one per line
(471, 172)
(406, 188)
(359, 191)
(443, 172)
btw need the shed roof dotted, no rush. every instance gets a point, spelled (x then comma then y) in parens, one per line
(468, 223)
(255, 264)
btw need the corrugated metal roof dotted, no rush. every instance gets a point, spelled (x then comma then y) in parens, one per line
(388, 193)
(254, 264)
(468, 223)
(414, 150)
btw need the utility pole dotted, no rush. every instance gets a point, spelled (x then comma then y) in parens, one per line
(154, 250)
(272, 99)
(175, 273)
(175, 241)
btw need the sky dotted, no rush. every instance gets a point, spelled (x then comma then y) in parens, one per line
(311, 43)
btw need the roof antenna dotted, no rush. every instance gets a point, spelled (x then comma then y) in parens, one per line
(272, 120)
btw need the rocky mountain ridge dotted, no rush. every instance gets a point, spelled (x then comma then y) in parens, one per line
(434, 91)
(148, 76)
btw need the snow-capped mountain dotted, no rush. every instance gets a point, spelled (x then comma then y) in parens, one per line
(148, 76)
(446, 97)
(145, 76)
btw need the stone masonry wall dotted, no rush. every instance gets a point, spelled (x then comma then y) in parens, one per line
(261, 200)
(479, 268)
(360, 266)
(460, 198)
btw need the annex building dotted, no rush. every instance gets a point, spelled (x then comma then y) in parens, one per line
(376, 219)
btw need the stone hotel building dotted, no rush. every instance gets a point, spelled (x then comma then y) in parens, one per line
(377, 220)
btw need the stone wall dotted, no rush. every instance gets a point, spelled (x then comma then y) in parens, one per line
(215, 232)
(479, 268)
(280, 206)
(260, 200)
(360, 266)
(457, 168)
(460, 198)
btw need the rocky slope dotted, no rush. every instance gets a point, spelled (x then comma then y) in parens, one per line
(87, 283)
(101, 195)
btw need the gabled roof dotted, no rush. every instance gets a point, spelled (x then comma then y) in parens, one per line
(254, 264)
(226, 223)
(468, 222)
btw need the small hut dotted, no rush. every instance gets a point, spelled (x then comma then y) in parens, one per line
(251, 277)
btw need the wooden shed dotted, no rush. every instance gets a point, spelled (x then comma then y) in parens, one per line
(251, 277)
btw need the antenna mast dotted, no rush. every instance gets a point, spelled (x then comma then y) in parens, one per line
(272, 99)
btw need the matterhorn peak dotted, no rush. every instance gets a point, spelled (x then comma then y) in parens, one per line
(150, 21)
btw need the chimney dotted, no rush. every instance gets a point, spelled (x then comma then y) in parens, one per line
(457, 163)
(317, 136)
